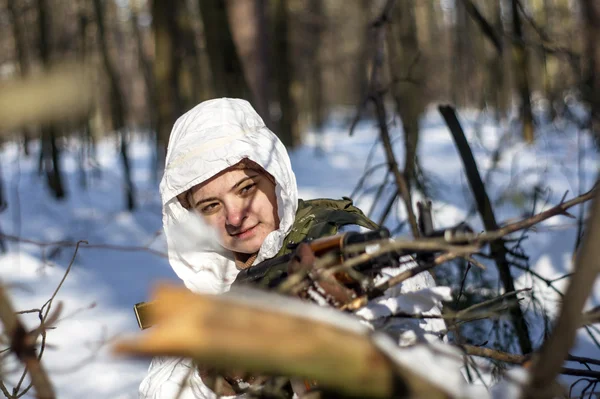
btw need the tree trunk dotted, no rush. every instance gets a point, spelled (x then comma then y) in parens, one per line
(165, 73)
(288, 121)
(248, 21)
(20, 48)
(591, 90)
(406, 61)
(117, 105)
(50, 155)
(190, 74)
(520, 65)
(145, 65)
(225, 64)
(498, 87)
(85, 123)
(315, 76)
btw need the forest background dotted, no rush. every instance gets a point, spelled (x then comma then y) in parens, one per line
(95, 70)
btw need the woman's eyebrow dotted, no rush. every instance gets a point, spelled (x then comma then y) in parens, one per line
(204, 200)
(236, 185)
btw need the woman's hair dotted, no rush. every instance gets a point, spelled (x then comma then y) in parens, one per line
(185, 198)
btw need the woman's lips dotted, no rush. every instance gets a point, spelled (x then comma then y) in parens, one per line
(246, 233)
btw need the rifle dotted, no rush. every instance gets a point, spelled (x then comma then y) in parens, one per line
(272, 272)
(346, 285)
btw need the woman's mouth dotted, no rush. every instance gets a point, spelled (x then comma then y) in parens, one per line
(245, 233)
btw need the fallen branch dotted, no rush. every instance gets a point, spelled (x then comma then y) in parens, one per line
(252, 331)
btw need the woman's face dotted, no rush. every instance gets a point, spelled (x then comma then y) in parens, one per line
(241, 205)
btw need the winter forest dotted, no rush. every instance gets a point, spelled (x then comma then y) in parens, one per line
(468, 129)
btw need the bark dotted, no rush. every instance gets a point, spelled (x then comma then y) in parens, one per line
(288, 121)
(315, 76)
(486, 212)
(225, 64)
(50, 154)
(117, 104)
(520, 66)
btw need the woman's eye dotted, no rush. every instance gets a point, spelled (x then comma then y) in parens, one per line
(248, 189)
(209, 208)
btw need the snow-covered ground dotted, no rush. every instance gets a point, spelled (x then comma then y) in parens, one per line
(113, 271)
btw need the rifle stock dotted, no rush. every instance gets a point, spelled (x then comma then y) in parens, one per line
(270, 272)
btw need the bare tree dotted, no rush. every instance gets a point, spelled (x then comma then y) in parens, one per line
(21, 52)
(249, 27)
(288, 121)
(117, 104)
(50, 153)
(591, 89)
(407, 68)
(225, 65)
(520, 67)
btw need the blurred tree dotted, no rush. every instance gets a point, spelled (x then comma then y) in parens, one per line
(166, 67)
(144, 63)
(189, 81)
(520, 67)
(21, 53)
(86, 137)
(249, 26)
(226, 68)
(315, 75)
(50, 153)
(591, 87)
(117, 103)
(407, 67)
(283, 64)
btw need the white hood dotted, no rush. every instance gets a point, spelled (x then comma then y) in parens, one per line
(209, 138)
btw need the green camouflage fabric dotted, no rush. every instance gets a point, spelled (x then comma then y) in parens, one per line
(323, 217)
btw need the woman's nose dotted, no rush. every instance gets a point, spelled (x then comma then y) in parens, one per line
(235, 214)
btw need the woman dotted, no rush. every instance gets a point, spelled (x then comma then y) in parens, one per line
(226, 165)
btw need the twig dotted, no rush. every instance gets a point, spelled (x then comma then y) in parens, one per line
(559, 209)
(583, 360)
(494, 354)
(45, 244)
(23, 346)
(580, 373)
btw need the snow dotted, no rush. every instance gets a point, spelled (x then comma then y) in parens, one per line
(112, 271)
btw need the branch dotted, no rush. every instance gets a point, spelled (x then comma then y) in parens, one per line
(22, 345)
(494, 354)
(238, 331)
(560, 209)
(484, 25)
